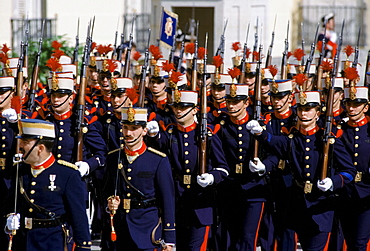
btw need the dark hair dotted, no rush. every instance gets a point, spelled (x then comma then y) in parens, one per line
(48, 143)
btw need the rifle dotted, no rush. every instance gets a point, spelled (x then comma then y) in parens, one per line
(172, 53)
(244, 59)
(327, 137)
(255, 46)
(284, 72)
(269, 52)
(75, 52)
(126, 70)
(310, 58)
(194, 71)
(25, 49)
(221, 47)
(355, 60)
(181, 54)
(114, 53)
(143, 74)
(202, 149)
(120, 47)
(80, 123)
(31, 105)
(367, 68)
(302, 42)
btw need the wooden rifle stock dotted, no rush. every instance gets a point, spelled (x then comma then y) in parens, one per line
(80, 118)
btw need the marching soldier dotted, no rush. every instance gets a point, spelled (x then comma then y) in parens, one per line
(50, 196)
(310, 209)
(217, 104)
(143, 196)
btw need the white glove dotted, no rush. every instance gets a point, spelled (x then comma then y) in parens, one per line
(18, 158)
(205, 179)
(153, 127)
(83, 168)
(325, 184)
(254, 127)
(258, 167)
(12, 222)
(11, 115)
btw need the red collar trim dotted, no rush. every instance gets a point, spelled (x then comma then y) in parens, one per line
(46, 164)
(24, 100)
(139, 151)
(220, 105)
(309, 132)
(283, 115)
(64, 116)
(362, 122)
(118, 115)
(160, 103)
(106, 98)
(240, 121)
(337, 112)
(187, 128)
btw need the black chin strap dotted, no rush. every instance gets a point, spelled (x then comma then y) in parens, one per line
(135, 140)
(118, 106)
(185, 114)
(358, 112)
(5, 98)
(63, 102)
(160, 90)
(283, 104)
(305, 120)
(29, 152)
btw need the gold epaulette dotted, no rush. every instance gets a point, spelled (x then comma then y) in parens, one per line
(157, 152)
(115, 150)
(66, 163)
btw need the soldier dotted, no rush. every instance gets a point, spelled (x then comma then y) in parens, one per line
(217, 103)
(310, 209)
(242, 195)
(330, 36)
(144, 194)
(194, 193)
(51, 196)
(354, 200)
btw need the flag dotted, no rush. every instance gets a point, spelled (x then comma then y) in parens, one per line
(168, 28)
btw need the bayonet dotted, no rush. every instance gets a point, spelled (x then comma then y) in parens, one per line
(303, 42)
(255, 46)
(355, 61)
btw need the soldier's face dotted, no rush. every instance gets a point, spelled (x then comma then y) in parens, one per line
(104, 82)
(133, 135)
(118, 101)
(61, 102)
(218, 94)
(25, 145)
(184, 114)
(265, 89)
(236, 108)
(5, 99)
(281, 104)
(307, 116)
(157, 88)
(250, 82)
(356, 110)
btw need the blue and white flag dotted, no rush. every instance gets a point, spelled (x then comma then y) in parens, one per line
(168, 28)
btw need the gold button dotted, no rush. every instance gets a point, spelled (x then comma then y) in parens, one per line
(127, 186)
(281, 123)
(186, 136)
(188, 186)
(4, 153)
(188, 170)
(307, 166)
(129, 178)
(3, 122)
(120, 130)
(127, 211)
(357, 137)
(61, 123)
(62, 130)
(60, 138)
(356, 145)
(33, 183)
(307, 149)
(240, 142)
(308, 140)
(128, 194)
(4, 130)
(129, 170)
(122, 145)
(186, 161)
(89, 243)
(109, 104)
(240, 157)
(240, 149)
(355, 163)
(109, 112)
(356, 154)
(307, 157)
(239, 128)
(59, 155)
(84, 243)
(120, 138)
(357, 129)
(186, 144)
(30, 210)
(59, 147)
(168, 224)
(186, 152)
(32, 191)
(32, 200)
(3, 145)
(308, 174)
(3, 137)
(240, 135)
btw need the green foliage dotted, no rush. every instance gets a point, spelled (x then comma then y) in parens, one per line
(46, 52)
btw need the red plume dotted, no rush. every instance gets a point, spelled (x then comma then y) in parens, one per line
(273, 70)
(236, 46)
(248, 53)
(351, 73)
(53, 64)
(57, 54)
(217, 61)
(299, 54)
(156, 52)
(104, 49)
(348, 50)
(289, 54)
(136, 56)
(201, 52)
(319, 45)
(300, 78)
(327, 66)
(3, 58)
(93, 46)
(112, 65)
(56, 45)
(167, 67)
(256, 55)
(234, 73)
(132, 95)
(175, 76)
(190, 48)
(5, 48)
